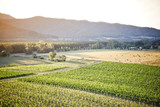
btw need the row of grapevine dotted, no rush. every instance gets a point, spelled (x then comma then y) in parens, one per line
(8, 74)
(34, 68)
(16, 93)
(138, 82)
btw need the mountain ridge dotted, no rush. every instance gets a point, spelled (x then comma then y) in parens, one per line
(82, 30)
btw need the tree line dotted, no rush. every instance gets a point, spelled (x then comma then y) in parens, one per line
(45, 47)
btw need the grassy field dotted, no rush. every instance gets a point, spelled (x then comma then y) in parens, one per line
(34, 68)
(138, 82)
(15, 93)
(8, 74)
(138, 57)
(124, 56)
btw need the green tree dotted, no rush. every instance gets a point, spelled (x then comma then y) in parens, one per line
(139, 44)
(63, 58)
(43, 47)
(51, 55)
(29, 48)
(4, 53)
(110, 44)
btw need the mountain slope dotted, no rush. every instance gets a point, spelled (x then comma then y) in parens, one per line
(84, 30)
(5, 16)
(8, 32)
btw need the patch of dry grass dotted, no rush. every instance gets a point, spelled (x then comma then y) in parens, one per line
(138, 57)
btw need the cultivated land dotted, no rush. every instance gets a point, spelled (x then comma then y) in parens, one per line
(138, 82)
(138, 57)
(8, 74)
(82, 80)
(34, 68)
(15, 93)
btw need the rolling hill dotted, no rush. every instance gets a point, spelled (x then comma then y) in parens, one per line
(8, 32)
(73, 30)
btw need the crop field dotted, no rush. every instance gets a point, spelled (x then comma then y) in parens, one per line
(8, 74)
(133, 81)
(34, 68)
(16, 93)
(124, 56)
(84, 81)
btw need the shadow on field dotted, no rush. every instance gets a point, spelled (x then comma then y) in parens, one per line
(75, 62)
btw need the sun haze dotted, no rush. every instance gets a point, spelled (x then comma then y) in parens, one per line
(145, 13)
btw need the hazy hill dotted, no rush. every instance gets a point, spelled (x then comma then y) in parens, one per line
(11, 32)
(5, 16)
(8, 32)
(84, 30)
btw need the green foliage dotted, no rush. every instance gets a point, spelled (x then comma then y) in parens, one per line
(9, 74)
(110, 44)
(10, 65)
(23, 94)
(41, 57)
(34, 56)
(34, 68)
(2, 47)
(138, 82)
(51, 55)
(60, 58)
(139, 44)
(29, 48)
(97, 45)
(44, 47)
(4, 53)
(13, 47)
(63, 58)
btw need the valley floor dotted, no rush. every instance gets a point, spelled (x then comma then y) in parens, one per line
(73, 83)
(124, 56)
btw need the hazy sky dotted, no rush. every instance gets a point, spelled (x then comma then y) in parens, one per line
(133, 12)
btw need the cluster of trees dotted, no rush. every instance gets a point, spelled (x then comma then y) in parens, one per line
(54, 57)
(45, 47)
(12, 47)
(40, 47)
(112, 44)
(4, 53)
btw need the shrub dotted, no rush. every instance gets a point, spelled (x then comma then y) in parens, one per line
(44, 47)
(29, 48)
(34, 56)
(59, 58)
(4, 53)
(63, 58)
(51, 55)
(41, 57)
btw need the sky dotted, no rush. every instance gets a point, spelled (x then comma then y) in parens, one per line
(145, 13)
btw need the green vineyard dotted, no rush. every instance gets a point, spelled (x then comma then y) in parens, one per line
(8, 74)
(133, 81)
(23, 94)
(34, 68)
